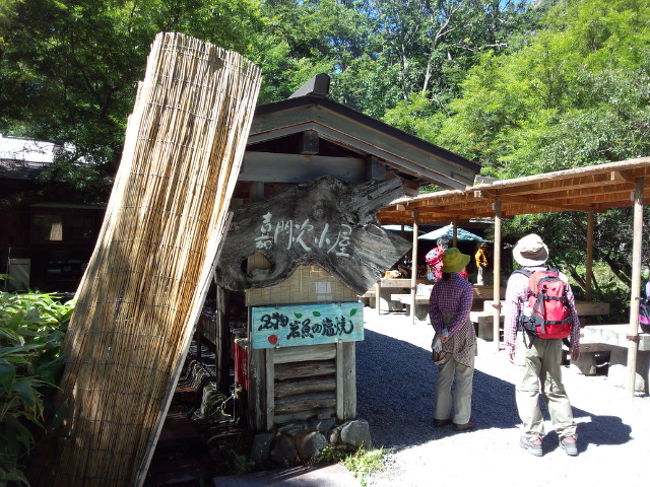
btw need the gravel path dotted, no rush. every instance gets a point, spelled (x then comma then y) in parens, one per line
(395, 384)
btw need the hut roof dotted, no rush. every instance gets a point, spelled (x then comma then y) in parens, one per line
(593, 188)
(407, 156)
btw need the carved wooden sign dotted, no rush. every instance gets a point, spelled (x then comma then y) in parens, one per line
(326, 222)
(306, 324)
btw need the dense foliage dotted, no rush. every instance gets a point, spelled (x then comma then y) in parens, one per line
(520, 86)
(32, 327)
(576, 94)
(69, 68)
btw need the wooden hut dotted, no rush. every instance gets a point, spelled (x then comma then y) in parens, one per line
(296, 142)
(46, 233)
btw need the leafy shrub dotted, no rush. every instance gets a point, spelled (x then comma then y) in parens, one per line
(32, 327)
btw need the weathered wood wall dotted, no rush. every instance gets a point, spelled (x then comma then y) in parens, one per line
(299, 383)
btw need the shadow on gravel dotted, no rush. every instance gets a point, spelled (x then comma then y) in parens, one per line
(395, 394)
(602, 430)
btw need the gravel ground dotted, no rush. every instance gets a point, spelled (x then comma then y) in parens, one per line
(395, 387)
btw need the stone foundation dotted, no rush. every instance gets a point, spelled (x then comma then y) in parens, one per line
(300, 442)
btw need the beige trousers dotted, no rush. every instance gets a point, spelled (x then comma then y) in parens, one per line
(540, 372)
(462, 398)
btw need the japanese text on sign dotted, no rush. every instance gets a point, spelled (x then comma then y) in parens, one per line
(333, 239)
(307, 324)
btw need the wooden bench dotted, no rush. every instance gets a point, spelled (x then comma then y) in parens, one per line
(484, 319)
(387, 289)
(423, 292)
(587, 363)
(614, 336)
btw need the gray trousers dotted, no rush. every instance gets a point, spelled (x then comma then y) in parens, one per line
(462, 398)
(540, 372)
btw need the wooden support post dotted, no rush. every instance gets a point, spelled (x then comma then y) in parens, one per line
(496, 296)
(377, 297)
(257, 386)
(637, 244)
(590, 256)
(414, 268)
(454, 240)
(375, 169)
(346, 385)
(257, 191)
(270, 389)
(223, 341)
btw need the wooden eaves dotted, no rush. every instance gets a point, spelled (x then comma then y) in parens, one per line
(594, 188)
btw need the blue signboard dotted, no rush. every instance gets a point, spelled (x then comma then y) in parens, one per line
(306, 324)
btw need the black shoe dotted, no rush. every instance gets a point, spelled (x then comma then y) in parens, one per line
(465, 426)
(532, 446)
(439, 423)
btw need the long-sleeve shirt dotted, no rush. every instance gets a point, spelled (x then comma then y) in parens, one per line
(480, 257)
(516, 295)
(454, 295)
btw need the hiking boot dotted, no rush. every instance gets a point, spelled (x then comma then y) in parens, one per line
(532, 445)
(439, 423)
(570, 445)
(464, 426)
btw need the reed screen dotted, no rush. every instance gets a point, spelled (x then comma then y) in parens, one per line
(146, 281)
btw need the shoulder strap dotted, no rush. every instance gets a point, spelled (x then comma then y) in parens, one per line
(525, 272)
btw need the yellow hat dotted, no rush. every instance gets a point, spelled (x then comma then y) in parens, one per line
(454, 261)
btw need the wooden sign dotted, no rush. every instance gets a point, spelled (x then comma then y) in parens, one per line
(326, 222)
(306, 324)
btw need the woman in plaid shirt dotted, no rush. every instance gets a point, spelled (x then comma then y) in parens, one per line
(449, 307)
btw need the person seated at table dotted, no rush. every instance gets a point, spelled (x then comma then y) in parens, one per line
(404, 267)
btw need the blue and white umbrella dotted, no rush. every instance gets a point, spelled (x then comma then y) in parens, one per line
(398, 228)
(448, 231)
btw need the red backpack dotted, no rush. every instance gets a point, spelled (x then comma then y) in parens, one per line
(546, 312)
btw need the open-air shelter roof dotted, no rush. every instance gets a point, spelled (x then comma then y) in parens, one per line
(594, 188)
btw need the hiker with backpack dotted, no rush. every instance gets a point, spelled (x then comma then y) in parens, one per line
(433, 258)
(539, 313)
(454, 343)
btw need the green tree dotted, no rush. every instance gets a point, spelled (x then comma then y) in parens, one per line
(585, 73)
(576, 93)
(69, 68)
(435, 43)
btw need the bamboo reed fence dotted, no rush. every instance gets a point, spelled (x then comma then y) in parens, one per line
(145, 284)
